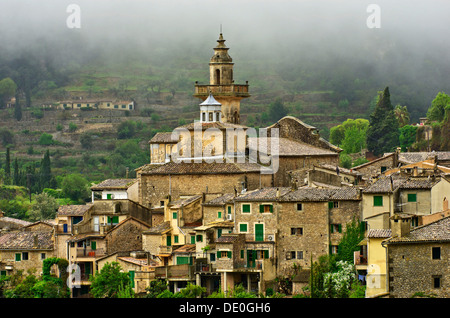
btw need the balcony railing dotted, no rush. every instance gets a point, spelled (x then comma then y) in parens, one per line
(205, 268)
(238, 89)
(88, 252)
(175, 271)
(260, 238)
(164, 249)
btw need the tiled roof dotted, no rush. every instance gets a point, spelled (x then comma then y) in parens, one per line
(221, 200)
(163, 138)
(411, 157)
(187, 248)
(187, 168)
(435, 231)
(27, 240)
(73, 209)
(419, 183)
(379, 233)
(263, 194)
(319, 194)
(341, 169)
(183, 202)
(385, 184)
(389, 183)
(138, 261)
(14, 221)
(158, 229)
(114, 184)
(287, 147)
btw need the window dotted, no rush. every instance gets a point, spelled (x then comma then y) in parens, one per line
(199, 238)
(175, 239)
(43, 256)
(113, 220)
(296, 231)
(299, 207)
(377, 200)
(412, 197)
(334, 249)
(93, 245)
(212, 257)
(229, 209)
(335, 228)
(243, 227)
(437, 281)
(116, 106)
(193, 239)
(25, 256)
(223, 254)
(246, 208)
(265, 208)
(161, 203)
(217, 116)
(294, 255)
(203, 117)
(383, 169)
(210, 116)
(436, 252)
(18, 257)
(219, 214)
(333, 204)
(174, 215)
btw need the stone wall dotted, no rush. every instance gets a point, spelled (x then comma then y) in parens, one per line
(125, 237)
(412, 269)
(155, 188)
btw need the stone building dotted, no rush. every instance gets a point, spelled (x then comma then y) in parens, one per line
(25, 249)
(174, 180)
(418, 260)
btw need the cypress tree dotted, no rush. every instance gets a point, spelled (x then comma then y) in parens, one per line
(45, 172)
(8, 165)
(383, 132)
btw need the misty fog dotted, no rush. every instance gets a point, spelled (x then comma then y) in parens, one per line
(410, 48)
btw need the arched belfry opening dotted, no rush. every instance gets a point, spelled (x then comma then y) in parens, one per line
(217, 77)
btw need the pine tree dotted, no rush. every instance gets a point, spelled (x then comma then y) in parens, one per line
(383, 133)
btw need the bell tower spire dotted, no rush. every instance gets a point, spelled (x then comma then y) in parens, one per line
(221, 83)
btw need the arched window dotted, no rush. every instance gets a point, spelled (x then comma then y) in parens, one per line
(217, 77)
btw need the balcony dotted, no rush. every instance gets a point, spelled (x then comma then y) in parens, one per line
(165, 250)
(205, 268)
(88, 252)
(174, 272)
(240, 90)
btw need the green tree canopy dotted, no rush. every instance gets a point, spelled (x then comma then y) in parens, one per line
(44, 207)
(436, 111)
(277, 110)
(109, 281)
(350, 135)
(75, 187)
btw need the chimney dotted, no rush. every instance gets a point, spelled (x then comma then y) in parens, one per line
(445, 204)
(400, 226)
(35, 241)
(278, 193)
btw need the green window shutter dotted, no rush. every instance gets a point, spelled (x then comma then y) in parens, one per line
(266, 253)
(18, 257)
(93, 245)
(115, 219)
(219, 215)
(261, 208)
(229, 254)
(271, 208)
(175, 238)
(132, 278)
(246, 208)
(378, 200)
(109, 196)
(218, 254)
(331, 228)
(339, 228)
(169, 240)
(242, 227)
(412, 197)
(229, 209)
(242, 253)
(330, 205)
(219, 233)
(109, 219)
(192, 239)
(174, 215)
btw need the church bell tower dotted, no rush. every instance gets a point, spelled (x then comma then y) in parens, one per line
(222, 86)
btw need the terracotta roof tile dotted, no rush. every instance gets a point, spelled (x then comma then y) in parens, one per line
(27, 240)
(435, 231)
(73, 209)
(114, 184)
